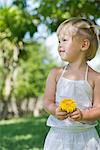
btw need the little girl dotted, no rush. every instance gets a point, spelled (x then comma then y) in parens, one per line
(78, 43)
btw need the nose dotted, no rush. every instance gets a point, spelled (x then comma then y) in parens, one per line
(60, 44)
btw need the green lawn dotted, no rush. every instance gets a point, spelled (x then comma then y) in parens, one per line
(23, 133)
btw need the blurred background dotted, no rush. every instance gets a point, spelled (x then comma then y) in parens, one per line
(28, 51)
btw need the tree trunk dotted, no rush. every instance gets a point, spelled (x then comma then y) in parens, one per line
(4, 113)
(38, 106)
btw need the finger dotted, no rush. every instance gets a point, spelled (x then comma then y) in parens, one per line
(77, 111)
(62, 117)
(62, 113)
(74, 113)
(58, 109)
(75, 116)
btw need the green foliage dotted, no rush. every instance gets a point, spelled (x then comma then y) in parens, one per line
(20, 3)
(34, 66)
(29, 61)
(53, 13)
(14, 23)
(98, 127)
(23, 134)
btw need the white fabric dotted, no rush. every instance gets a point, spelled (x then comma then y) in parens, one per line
(82, 93)
(62, 139)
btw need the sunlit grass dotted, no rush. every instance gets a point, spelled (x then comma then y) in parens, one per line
(13, 121)
(23, 133)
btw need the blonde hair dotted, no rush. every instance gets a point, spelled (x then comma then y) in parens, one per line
(83, 28)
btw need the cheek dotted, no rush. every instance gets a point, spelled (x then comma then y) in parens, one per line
(69, 48)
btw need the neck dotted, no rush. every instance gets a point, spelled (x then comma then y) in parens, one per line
(77, 65)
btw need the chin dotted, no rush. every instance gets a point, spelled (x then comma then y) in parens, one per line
(64, 59)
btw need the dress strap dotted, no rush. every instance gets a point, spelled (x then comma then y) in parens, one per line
(63, 71)
(86, 73)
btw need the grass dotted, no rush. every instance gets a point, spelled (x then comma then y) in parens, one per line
(98, 127)
(23, 133)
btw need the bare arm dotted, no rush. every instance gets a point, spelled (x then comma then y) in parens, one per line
(94, 113)
(49, 96)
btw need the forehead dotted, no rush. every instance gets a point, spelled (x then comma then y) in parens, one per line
(66, 31)
(63, 35)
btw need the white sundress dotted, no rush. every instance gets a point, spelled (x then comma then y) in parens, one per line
(68, 134)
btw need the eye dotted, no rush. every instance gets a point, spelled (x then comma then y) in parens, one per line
(65, 39)
(58, 41)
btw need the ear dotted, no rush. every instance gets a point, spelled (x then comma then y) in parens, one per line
(85, 44)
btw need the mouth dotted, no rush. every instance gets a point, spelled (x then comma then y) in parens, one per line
(61, 50)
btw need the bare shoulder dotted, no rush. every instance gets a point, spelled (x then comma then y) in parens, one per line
(94, 75)
(55, 73)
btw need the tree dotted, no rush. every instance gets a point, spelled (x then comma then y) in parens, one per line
(16, 72)
(52, 13)
(33, 68)
(13, 27)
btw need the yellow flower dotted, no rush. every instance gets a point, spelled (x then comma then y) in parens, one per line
(68, 105)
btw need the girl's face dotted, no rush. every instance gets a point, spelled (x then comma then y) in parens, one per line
(69, 47)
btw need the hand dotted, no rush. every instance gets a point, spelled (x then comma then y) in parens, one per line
(76, 115)
(61, 114)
